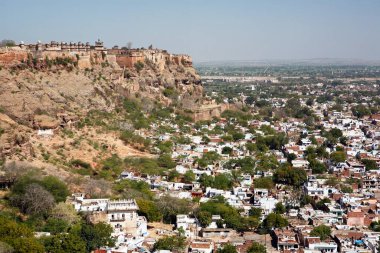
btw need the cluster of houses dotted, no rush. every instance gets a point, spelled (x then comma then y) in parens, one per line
(349, 214)
(129, 229)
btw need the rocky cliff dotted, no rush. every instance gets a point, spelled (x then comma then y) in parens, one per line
(58, 82)
(51, 90)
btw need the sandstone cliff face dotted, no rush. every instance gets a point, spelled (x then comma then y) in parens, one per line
(54, 89)
(50, 90)
(51, 82)
(11, 57)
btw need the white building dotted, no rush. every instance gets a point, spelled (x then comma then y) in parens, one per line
(120, 214)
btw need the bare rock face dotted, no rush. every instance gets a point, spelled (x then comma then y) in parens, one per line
(11, 57)
(45, 122)
(46, 94)
(38, 85)
(29, 97)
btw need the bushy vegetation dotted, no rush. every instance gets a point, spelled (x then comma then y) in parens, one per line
(172, 243)
(139, 66)
(220, 181)
(150, 166)
(230, 215)
(111, 167)
(41, 199)
(37, 196)
(128, 137)
(321, 231)
(290, 176)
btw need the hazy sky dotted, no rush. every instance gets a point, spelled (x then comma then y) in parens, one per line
(206, 29)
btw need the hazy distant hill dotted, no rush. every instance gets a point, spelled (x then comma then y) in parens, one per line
(279, 62)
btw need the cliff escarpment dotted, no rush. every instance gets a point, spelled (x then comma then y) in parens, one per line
(60, 82)
(55, 102)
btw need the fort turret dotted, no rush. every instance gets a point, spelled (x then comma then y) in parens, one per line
(99, 45)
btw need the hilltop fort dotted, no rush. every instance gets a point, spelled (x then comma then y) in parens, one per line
(86, 55)
(54, 85)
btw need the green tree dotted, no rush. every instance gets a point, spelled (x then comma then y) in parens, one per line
(249, 100)
(97, 235)
(206, 180)
(321, 152)
(112, 167)
(370, 164)
(322, 231)
(170, 92)
(266, 162)
(63, 243)
(279, 208)
(26, 245)
(264, 182)
(274, 220)
(173, 175)
(273, 141)
(290, 176)
(290, 157)
(245, 164)
(55, 226)
(235, 177)
(317, 167)
(53, 185)
(336, 133)
(309, 101)
(227, 248)
(170, 207)
(133, 189)
(204, 218)
(257, 248)
(255, 212)
(222, 181)
(338, 156)
(227, 150)
(7, 43)
(251, 222)
(346, 189)
(237, 136)
(205, 139)
(56, 187)
(251, 147)
(321, 204)
(238, 223)
(227, 138)
(166, 161)
(19, 237)
(189, 176)
(208, 158)
(172, 243)
(149, 209)
(165, 147)
(375, 226)
(231, 216)
(360, 111)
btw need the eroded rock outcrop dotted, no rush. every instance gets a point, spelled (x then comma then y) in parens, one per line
(52, 86)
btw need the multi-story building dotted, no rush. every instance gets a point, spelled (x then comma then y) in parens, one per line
(120, 214)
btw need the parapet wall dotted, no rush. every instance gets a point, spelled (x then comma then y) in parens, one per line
(12, 57)
(159, 58)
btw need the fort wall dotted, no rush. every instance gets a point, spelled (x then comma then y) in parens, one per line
(8, 57)
(86, 55)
